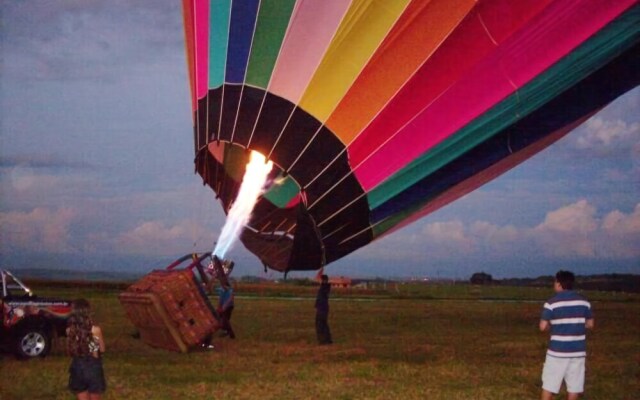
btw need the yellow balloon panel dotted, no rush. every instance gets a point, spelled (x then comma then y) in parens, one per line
(364, 26)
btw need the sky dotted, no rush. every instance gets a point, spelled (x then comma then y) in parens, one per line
(96, 166)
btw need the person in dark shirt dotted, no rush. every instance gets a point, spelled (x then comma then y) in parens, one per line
(225, 308)
(322, 312)
(85, 344)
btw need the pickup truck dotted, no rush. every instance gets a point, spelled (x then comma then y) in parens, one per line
(29, 322)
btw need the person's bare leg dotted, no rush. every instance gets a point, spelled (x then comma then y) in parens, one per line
(546, 395)
(82, 396)
(573, 396)
(95, 396)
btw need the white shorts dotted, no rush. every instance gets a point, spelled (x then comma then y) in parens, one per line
(557, 369)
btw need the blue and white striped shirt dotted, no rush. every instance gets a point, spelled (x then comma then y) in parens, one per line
(567, 312)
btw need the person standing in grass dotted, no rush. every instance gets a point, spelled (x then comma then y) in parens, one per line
(568, 315)
(85, 345)
(322, 311)
(225, 307)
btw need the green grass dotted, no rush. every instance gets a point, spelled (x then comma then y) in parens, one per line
(422, 342)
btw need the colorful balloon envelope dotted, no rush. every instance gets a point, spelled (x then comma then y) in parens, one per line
(376, 113)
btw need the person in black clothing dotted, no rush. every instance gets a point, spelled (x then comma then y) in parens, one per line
(85, 344)
(322, 312)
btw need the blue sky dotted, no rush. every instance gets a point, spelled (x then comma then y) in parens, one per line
(96, 165)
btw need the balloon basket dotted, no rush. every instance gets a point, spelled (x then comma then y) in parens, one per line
(170, 309)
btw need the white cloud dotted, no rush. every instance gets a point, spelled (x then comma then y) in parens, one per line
(494, 233)
(576, 231)
(574, 218)
(571, 231)
(41, 229)
(617, 222)
(25, 178)
(601, 132)
(446, 237)
(445, 231)
(621, 234)
(154, 237)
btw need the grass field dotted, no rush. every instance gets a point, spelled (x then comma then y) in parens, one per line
(404, 342)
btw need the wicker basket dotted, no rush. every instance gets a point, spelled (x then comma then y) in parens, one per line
(170, 309)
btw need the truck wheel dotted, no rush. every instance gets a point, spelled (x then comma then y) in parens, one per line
(33, 342)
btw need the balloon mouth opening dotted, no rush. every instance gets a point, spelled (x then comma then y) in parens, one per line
(274, 223)
(313, 209)
(280, 187)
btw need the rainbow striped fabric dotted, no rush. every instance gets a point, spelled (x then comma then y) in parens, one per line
(377, 113)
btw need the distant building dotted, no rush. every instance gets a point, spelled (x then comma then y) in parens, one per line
(336, 282)
(340, 282)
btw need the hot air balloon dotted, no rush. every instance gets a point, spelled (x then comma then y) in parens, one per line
(376, 113)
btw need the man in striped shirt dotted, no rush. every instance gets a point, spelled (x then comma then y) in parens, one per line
(569, 316)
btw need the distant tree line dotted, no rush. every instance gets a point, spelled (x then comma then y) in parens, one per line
(481, 278)
(629, 283)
